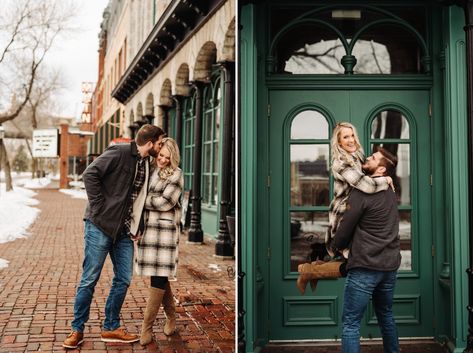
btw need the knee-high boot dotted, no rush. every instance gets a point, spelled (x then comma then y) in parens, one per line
(312, 272)
(170, 311)
(152, 307)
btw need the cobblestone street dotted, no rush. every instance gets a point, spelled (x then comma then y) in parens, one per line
(37, 291)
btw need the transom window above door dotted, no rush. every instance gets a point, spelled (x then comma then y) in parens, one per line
(348, 40)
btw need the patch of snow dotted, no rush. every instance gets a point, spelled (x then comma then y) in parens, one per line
(77, 194)
(406, 262)
(3, 263)
(77, 184)
(16, 213)
(215, 267)
(33, 183)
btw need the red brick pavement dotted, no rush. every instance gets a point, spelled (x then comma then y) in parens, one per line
(37, 291)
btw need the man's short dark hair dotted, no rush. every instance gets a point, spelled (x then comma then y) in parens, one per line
(389, 161)
(148, 133)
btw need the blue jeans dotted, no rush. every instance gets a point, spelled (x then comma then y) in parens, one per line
(360, 285)
(97, 245)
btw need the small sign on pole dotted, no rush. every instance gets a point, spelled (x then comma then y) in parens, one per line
(45, 143)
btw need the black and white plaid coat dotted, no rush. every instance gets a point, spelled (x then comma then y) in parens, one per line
(157, 253)
(346, 176)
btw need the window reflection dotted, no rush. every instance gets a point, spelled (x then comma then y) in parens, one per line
(403, 172)
(390, 124)
(324, 57)
(307, 231)
(310, 175)
(316, 49)
(309, 124)
(405, 235)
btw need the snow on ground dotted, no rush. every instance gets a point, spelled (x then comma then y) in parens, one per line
(33, 183)
(77, 194)
(16, 214)
(3, 263)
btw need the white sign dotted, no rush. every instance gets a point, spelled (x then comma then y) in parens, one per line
(45, 143)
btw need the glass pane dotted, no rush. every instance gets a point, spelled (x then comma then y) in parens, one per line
(387, 49)
(215, 159)
(207, 147)
(405, 234)
(207, 132)
(188, 132)
(310, 175)
(206, 189)
(309, 124)
(390, 124)
(403, 169)
(215, 190)
(307, 230)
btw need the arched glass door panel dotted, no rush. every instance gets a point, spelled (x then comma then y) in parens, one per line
(390, 129)
(309, 186)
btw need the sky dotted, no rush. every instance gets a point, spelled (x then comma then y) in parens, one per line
(77, 55)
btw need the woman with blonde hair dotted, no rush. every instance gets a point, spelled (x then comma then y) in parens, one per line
(347, 159)
(157, 254)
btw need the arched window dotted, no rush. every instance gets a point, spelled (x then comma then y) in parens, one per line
(188, 109)
(210, 140)
(309, 184)
(390, 129)
(356, 39)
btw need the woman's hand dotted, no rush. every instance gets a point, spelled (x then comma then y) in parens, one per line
(390, 182)
(136, 237)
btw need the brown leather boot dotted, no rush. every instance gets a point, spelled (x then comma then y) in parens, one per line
(170, 311)
(152, 307)
(316, 270)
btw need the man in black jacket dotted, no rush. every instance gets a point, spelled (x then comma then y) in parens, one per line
(116, 184)
(370, 228)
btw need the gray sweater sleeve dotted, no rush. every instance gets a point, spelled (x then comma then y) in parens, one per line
(354, 211)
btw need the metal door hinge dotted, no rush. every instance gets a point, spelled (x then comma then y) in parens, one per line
(433, 251)
(269, 253)
(431, 180)
(430, 110)
(268, 181)
(269, 110)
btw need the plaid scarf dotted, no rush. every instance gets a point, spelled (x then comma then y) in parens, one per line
(137, 185)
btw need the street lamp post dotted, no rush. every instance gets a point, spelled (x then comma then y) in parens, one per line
(2, 135)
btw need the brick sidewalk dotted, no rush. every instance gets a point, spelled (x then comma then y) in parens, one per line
(37, 291)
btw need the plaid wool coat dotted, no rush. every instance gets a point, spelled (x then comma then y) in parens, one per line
(346, 176)
(157, 253)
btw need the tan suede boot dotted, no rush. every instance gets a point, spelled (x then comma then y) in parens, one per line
(170, 311)
(316, 270)
(152, 307)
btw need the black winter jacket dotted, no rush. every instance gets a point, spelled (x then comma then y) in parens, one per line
(108, 182)
(370, 228)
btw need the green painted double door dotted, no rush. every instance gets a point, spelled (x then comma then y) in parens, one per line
(301, 188)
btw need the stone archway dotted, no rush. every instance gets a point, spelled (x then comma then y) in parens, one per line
(203, 64)
(182, 80)
(228, 53)
(149, 106)
(139, 112)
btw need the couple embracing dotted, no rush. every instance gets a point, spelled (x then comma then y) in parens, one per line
(133, 193)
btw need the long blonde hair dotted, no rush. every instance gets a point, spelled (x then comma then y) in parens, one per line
(175, 157)
(338, 153)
